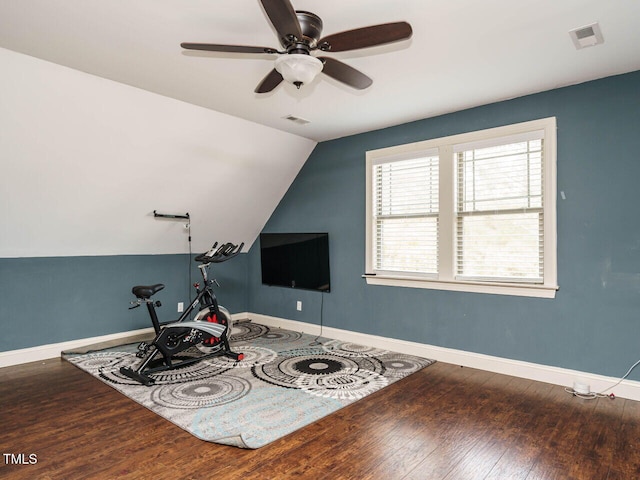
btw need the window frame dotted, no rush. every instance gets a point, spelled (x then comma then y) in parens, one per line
(446, 277)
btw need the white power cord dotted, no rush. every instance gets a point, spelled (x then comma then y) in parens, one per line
(592, 395)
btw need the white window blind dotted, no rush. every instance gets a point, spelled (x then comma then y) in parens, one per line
(499, 210)
(406, 215)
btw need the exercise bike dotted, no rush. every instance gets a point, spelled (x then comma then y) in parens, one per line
(209, 332)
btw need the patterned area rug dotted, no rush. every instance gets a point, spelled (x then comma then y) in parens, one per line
(285, 381)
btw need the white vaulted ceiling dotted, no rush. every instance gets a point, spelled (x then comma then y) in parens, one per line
(105, 118)
(85, 161)
(463, 53)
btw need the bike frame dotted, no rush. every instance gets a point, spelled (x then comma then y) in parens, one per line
(177, 336)
(205, 297)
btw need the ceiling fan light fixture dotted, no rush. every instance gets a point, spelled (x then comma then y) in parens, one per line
(298, 68)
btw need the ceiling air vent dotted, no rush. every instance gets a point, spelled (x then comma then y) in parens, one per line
(586, 36)
(298, 120)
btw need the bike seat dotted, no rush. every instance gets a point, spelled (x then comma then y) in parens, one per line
(146, 291)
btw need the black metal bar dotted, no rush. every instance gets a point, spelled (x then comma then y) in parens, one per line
(166, 215)
(154, 317)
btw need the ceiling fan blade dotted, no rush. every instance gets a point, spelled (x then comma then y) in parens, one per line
(283, 17)
(366, 37)
(210, 47)
(344, 73)
(268, 83)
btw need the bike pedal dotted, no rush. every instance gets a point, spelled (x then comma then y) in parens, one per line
(143, 348)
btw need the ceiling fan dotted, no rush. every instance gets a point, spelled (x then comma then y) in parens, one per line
(299, 34)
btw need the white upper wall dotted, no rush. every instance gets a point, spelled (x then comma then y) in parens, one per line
(85, 161)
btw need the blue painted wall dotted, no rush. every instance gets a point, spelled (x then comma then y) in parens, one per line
(592, 325)
(56, 299)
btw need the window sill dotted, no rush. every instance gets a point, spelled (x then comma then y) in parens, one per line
(522, 290)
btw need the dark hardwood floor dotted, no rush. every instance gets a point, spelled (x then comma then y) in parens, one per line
(445, 422)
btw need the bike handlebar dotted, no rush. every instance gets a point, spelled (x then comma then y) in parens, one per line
(223, 253)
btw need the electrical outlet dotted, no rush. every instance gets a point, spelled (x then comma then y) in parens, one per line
(180, 307)
(299, 305)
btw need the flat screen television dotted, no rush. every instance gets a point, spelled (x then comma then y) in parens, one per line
(295, 260)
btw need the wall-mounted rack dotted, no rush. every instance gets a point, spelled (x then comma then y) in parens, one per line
(166, 215)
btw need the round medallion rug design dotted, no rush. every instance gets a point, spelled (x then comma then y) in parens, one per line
(299, 372)
(206, 392)
(399, 365)
(107, 366)
(344, 385)
(253, 356)
(244, 331)
(277, 335)
(349, 349)
(97, 361)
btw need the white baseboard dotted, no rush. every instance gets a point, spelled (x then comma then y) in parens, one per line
(543, 373)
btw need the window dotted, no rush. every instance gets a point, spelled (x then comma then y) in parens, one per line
(472, 212)
(406, 213)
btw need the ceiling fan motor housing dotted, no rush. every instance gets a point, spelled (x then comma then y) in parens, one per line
(310, 26)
